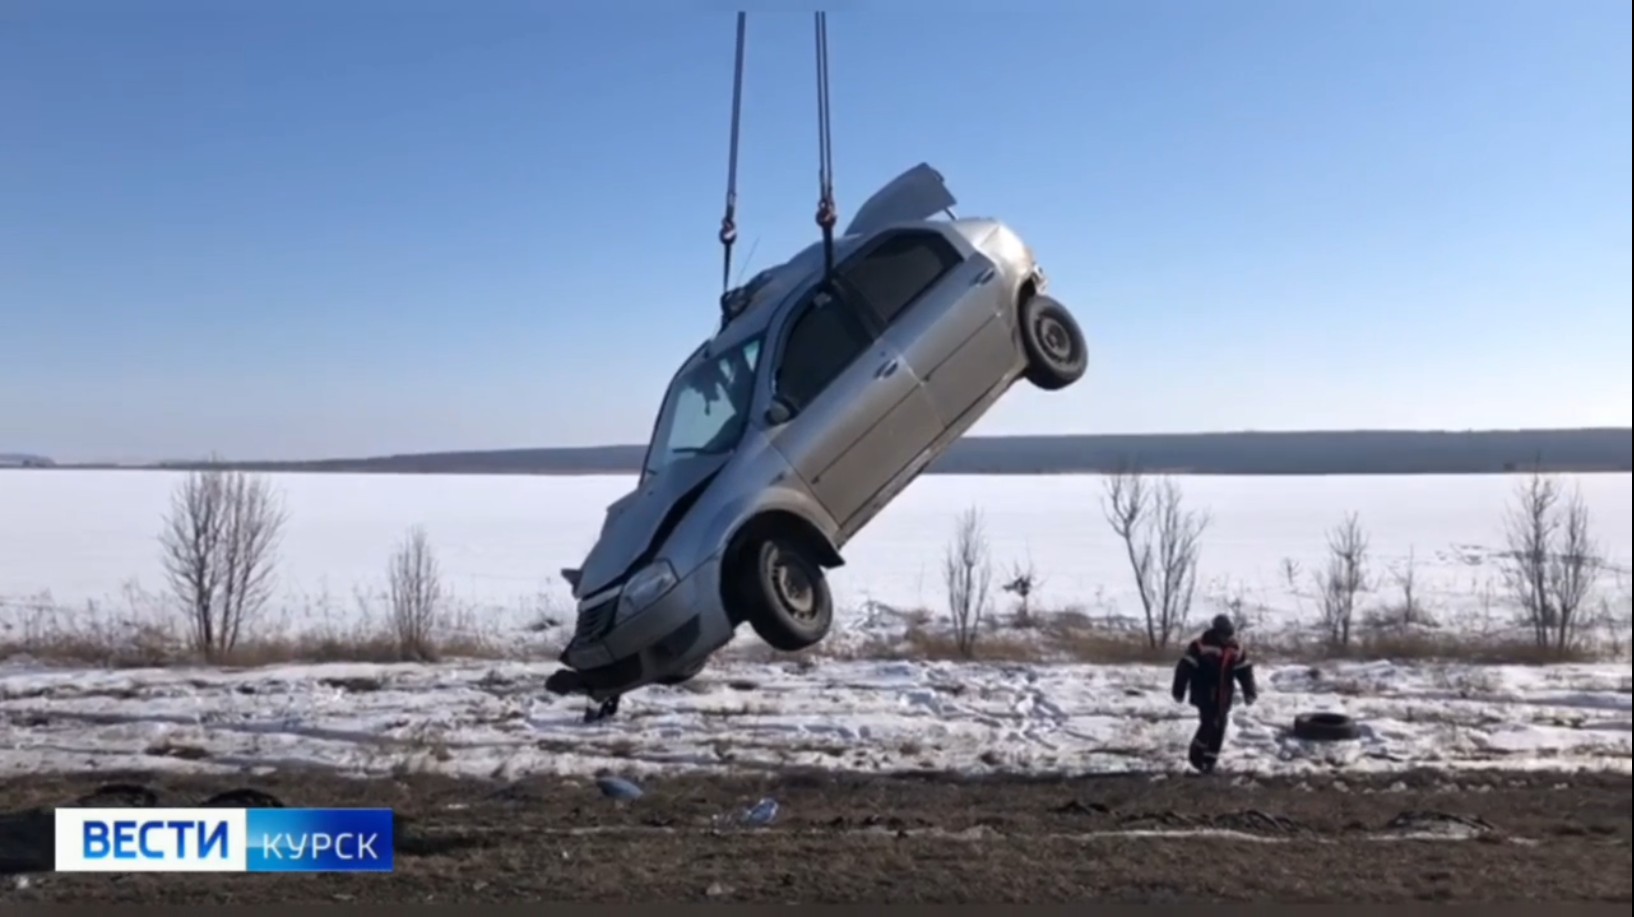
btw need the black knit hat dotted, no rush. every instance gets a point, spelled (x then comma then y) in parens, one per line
(1223, 626)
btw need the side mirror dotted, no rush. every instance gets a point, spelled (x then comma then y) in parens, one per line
(780, 412)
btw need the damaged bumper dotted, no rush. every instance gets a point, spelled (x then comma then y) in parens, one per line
(614, 650)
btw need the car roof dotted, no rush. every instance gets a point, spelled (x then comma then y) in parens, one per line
(786, 282)
(793, 278)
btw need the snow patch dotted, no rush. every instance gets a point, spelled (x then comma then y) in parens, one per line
(495, 720)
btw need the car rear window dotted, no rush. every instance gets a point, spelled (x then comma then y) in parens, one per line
(896, 273)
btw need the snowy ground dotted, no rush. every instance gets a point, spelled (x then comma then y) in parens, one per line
(494, 720)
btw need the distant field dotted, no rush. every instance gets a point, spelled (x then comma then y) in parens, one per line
(84, 535)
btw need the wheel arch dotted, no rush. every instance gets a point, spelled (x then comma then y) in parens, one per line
(771, 522)
(1027, 290)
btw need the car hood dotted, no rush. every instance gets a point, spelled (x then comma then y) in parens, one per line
(636, 520)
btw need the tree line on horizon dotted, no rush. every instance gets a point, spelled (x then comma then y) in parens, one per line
(1267, 453)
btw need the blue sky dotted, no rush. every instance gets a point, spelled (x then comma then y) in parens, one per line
(304, 229)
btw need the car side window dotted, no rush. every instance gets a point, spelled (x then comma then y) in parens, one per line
(823, 340)
(900, 270)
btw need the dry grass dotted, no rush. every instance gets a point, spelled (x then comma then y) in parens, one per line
(1048, 643)
(154, 649)
(94, 636)
(1074, 639)
(1476, 650)
(97, 636)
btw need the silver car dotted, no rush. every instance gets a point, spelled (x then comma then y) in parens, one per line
(820, 399)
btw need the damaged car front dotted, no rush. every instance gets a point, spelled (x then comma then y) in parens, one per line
(649, 608)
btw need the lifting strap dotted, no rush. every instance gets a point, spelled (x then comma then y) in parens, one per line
(827, 215)
(729, 226)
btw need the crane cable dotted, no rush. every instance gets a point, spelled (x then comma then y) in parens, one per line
(827, 215)
(729, 226)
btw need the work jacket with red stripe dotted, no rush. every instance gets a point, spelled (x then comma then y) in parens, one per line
(1210, 671)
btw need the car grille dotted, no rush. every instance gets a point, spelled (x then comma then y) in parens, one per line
(595, 621)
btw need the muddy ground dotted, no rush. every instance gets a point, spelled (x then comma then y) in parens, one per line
(1421, 837)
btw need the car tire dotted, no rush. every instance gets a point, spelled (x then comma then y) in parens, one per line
(1325, 727)
(789, 603)
(1057, 354)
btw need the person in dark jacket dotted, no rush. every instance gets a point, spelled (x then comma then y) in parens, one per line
(1210, 670)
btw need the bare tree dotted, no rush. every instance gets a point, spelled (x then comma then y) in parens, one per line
(1530, 534)
(1128, 507)
(218, 545)
(1291, 569)
(1573, 571)
(1551, 563)
(967, 575)
(1290, 573)
(1023, 583)
(416, 593)
(1161, 539)
(1343, 579)
(1411, 611)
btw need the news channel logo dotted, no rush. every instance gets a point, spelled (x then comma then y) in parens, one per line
(224, 840)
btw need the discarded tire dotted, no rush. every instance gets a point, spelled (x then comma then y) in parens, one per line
(1325, 727)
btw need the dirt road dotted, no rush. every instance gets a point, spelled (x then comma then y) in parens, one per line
(1424, 837)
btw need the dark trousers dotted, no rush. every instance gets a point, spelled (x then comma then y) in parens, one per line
(1209, 738)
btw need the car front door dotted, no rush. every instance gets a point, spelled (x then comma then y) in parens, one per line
(857, 413)
(940, 301)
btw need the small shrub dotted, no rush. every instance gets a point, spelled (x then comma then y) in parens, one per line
(218, 545)
(1161, 538)
(967, 576)
(1552, 564)
(414, 581)
(1344, 578)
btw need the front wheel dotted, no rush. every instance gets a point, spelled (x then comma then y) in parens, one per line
(789, 605)
(1056, 353)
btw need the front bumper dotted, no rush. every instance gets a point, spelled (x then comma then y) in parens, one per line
(667, 637)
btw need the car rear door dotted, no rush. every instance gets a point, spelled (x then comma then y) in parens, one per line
(859, 413)
(939, 299)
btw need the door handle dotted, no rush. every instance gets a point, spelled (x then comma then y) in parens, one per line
(887, 370)
(983, 277)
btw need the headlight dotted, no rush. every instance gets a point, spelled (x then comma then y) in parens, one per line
(648, 585)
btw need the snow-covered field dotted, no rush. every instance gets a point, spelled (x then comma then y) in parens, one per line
(86, 536)
(494, 720)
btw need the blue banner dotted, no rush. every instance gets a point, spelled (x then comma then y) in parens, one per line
(319, 840)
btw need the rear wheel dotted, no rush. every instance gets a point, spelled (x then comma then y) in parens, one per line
(787, 596)
(1056, 352)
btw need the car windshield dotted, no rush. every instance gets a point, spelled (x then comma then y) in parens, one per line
(706, 407)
